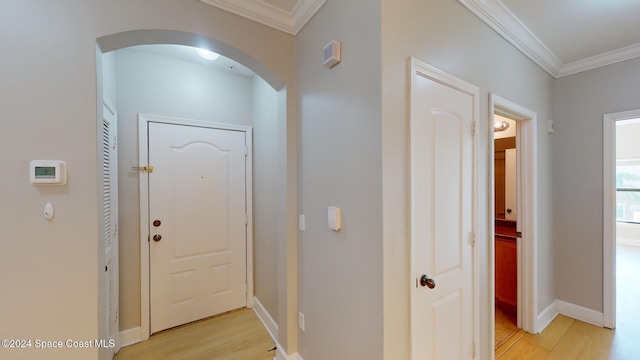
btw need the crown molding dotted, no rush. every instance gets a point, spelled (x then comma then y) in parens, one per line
(259, 11)
(608, 58)
(505, 23)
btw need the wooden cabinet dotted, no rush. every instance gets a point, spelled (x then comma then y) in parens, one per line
(506, 273)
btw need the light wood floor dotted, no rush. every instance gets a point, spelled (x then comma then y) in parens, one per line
(566, 338)
(238, 335)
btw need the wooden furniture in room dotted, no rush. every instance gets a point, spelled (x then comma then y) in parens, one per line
(506, 265)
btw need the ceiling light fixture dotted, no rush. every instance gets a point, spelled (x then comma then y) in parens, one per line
(500, 126)
(206, 54)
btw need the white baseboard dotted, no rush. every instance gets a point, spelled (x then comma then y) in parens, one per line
(627, 241)
(267, 320)
(281, 355)
(546, 316)
(130, 336)
(580, 313)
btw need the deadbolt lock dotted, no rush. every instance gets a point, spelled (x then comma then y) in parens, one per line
(156, 223)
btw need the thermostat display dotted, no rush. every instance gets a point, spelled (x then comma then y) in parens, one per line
(48, 172)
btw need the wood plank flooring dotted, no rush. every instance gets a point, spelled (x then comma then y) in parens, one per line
(567, 339)
(238, 335)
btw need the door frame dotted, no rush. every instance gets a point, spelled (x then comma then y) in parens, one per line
(608, 213)
(143, 156)
(527, 184)
(419, 68)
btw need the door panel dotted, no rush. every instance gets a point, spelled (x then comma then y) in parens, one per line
(197, 190)
(442, 317)
(110, 202)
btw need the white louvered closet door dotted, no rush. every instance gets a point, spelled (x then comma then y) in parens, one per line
(110, 198)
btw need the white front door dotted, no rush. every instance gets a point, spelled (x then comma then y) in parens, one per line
(197, 215)
(443, 116)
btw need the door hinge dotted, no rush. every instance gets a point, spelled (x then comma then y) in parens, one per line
(246, 288)
(472, 238)
(474, 125)
(246, 219)
(473, 349)
(246, 151)
(518, 234)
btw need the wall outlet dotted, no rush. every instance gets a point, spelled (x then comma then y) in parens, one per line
(301, 321)
(301, 223)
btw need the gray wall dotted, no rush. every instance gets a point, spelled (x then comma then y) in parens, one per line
(341, 164)
(446, 35)
(50, 108)
(153, 84)
(264, 113)
(340, 281)
(581, 101)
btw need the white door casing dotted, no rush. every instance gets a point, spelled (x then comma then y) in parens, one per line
(444, 113)
(526, 213)
(110, 201)
(200, 190)
(609, 213)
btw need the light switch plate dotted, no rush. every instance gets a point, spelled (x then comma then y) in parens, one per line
(335, 218)
(301, 223)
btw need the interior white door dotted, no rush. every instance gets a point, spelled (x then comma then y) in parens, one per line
(110, 216)
(442, 145)
(197, 211)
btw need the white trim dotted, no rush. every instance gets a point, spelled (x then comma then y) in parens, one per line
(143, 155)
(504, 22)
(546, 316)
(260, 11)
(267, 320)
(130, 336)
(609, 210)
(419, 68)
(596, 61)
(282, 355)
(527, 213)
(580, 313)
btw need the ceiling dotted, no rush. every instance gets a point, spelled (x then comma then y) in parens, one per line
(189, 54)
(563, 37)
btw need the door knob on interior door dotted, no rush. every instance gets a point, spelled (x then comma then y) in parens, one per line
(157, 237)
(426, 281)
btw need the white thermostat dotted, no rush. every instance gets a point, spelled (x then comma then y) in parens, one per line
(48, 172)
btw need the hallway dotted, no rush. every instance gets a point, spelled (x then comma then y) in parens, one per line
(566, 338)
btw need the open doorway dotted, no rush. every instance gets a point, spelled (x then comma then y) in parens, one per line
(506, 229)
(622, 222)
(258, 101)
(518, 235)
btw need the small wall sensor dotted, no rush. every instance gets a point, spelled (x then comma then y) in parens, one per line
(335, 221)
(48, 211)
(332, 54)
